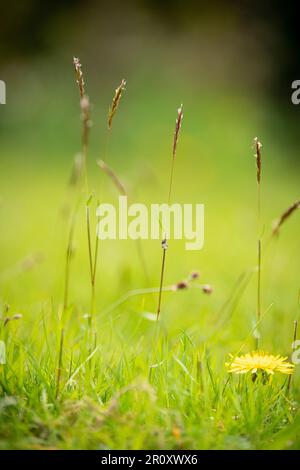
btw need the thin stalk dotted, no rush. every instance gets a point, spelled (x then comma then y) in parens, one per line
(95, 259)
(258, 289)
(258, 147)
(164, 244)
(59, 370)
(161, 281)
(89, 238)
(93, 265)
(149, 290)
(71, 365)
(68, 262)
(85, 109)
(294, 339)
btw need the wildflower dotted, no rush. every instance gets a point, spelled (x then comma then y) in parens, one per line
(259, 361)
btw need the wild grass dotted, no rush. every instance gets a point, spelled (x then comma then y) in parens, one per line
(164, 243)
(188, 403)
(258, 158)
(122, 386)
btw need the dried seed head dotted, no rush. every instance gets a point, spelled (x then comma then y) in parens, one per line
(177, 129)
(17, 316)
(257, 155)
(115, 102)
(79, 76)
(113, 177)
(164, 244)
(284, 216)
(207, 289)
(194, 275)
(181, 285)
(175, 140)
(84, 104)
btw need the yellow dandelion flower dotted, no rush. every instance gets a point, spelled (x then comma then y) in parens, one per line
(259, 361)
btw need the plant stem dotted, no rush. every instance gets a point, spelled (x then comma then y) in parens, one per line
(258, 312)
(258, 158)
(68, 259)
(88, 226)
(59, 362)
(258, 307)
(294, 339)
(161, 281)
(164, 242)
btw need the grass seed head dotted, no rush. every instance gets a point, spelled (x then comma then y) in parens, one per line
(115, 102)
(164, 244)
(79, 76)
(194, 275)
(181, 285)
(177, 129)
(112, 175)
(258, 147)
(284, 216)
(207, 289)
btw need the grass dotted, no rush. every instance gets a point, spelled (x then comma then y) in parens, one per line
(183, 404)
(130, 386)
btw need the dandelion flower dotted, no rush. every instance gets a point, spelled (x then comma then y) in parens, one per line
(259, 361)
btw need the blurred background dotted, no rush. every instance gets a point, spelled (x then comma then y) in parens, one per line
(231, 64)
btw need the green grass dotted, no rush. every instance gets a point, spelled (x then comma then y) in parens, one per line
(133, 387)
(114, 401)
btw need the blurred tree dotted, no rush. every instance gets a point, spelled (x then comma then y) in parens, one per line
(24, 25)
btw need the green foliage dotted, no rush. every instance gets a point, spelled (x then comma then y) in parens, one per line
(132, 386)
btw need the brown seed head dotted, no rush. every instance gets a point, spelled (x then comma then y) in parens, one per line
(284, 216)
(258, 147)
(207, 289)
(164, 244)
(181, 285)
(115, 102)
(79, 76)
(17, 316)
(194, 275)
(177, 129)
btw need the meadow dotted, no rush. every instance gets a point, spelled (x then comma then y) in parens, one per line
(88, 366)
